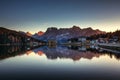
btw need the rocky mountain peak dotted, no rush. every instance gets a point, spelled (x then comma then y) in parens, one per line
(75, 28)
(40, 33)
(89, 28)
(51, 29)
(64, 34)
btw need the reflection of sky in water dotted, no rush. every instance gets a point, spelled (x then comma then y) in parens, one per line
(39, 65)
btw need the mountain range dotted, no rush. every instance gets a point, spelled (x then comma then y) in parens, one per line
(64, 34)
(59, 35)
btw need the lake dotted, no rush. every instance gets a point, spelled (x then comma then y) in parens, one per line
(58, 63)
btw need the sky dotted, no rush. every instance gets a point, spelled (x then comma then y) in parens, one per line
(38, 15)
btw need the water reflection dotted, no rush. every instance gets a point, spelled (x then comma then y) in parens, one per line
(74, 52)
(60, 62)
(12, 51)
(63, 52)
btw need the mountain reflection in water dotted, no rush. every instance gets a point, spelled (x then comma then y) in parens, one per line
(63, 52)
(61, 62)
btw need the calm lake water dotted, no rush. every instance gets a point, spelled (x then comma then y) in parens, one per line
(58, 63)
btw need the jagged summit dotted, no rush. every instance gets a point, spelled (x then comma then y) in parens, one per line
(40, 33)
(76, 27)
(67, 33)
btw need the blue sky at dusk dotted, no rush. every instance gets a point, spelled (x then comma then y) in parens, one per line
(38, 15)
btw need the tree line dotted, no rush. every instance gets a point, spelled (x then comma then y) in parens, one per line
(108, 35)
(13, 37)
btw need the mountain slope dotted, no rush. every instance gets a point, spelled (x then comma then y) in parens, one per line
(63, 34)
(8, 36)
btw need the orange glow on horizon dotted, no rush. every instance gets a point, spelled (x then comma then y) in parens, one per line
(40, 53)
(29, 52)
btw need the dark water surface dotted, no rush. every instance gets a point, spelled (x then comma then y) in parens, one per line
(58, 63)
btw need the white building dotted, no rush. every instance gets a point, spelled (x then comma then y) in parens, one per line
(82, 39)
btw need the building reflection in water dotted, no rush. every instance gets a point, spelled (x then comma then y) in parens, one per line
(71, 52)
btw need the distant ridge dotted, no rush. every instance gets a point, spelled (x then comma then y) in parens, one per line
(67, 33)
